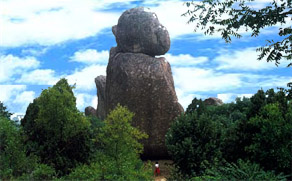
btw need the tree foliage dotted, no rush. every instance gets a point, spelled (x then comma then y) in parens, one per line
(4, 112)
(229, 16)
(241, 170)
(257, 130)
(13, 161)
(192, 142)
(55, 130)
(118, 156)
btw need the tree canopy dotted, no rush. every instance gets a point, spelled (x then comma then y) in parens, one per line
(55, 130)
(255, 130)
(4, 112)
(229, 16)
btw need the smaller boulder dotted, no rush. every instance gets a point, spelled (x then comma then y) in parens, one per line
(213, 101)
(100, 82)
(90, 111)
(139, 31)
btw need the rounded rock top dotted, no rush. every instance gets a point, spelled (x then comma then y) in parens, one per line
(139, 31)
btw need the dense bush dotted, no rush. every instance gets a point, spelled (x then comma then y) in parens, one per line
(55, 130)
(240, 171)
(118, 156)
(55, 141)
(13, 161)
(256, 129)
(4, 112)
(40, 172)
(193, 143)
(271, 145)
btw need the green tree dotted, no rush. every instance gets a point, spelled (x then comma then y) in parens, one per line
(118, 156)
(197, 105)
(120, 142)
(193, 143)
(256, 129)
(241, 170)
(3, 111)
(55, 130)
(271, 144)
(13, 161)
(227, 17)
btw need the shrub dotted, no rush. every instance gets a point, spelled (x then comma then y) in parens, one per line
(193, 143)
(55, 130)
(118, 155)
(243, 170)
(13, 161)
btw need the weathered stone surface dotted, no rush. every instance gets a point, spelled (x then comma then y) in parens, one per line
(139, 31)
(213, 101)
(100, 82)
(145, 85)
(90, 111)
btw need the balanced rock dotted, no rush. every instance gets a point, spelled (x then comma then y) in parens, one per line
(100, 82)
(90, 111)
(213, 101)
(139, 81)
(145, 85)
(139, 31)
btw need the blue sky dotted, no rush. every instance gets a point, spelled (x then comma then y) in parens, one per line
(43, 41)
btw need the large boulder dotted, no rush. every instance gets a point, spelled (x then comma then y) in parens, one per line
(138, 80)
(213, 101)
(145, 85)
(100, 82)
(139, 31)
(90, 111)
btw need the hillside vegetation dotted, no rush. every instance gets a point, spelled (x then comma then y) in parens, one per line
(249, 139)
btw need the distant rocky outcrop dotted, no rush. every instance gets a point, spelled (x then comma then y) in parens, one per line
(90, 111)
(213, 101)
(100, 82)
(138, 80)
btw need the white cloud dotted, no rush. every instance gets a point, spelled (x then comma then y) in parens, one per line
(265, 81)
(91, 56)
(243, 60)
(94, 101)
(11, 65)
(84, 78)
(230, 97)
(83, 100)
(23, 99)
(184, 60)
(49, 22)
(169, 14)
(204, 80)
(225, 97)
(52, 21)
(16, 98)
(39, 77)
(7, 91)
(185, 99)
(34, 51)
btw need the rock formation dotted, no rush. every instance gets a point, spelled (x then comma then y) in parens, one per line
(90, 111)
(213, 101)
(138, 80)
(100, 82)
(139, 31)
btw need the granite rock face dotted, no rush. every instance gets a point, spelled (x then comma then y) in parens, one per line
(139, 31)
(145, 85)
(139, 81)
(90, 111)
(100, 82)
(213, 101)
